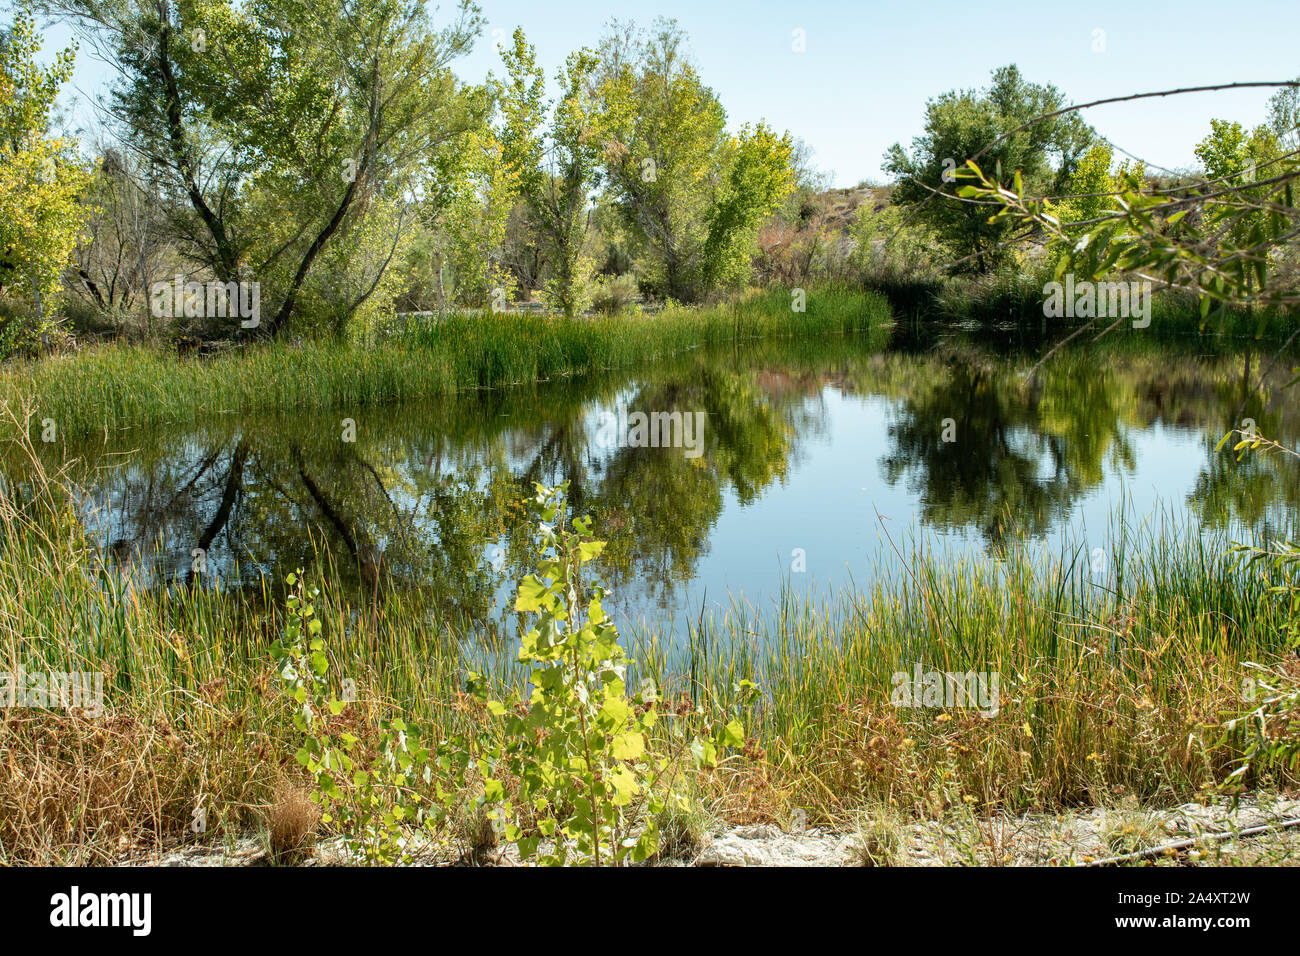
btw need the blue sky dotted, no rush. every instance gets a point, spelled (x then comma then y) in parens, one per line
(868, 68)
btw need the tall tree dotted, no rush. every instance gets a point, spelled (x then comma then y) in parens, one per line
(961, 123)
(691, 195)
(278, 124)
(41, 179)
(559, 164)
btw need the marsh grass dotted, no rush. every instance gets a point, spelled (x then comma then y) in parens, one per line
(1109, 689)
(1131, 831)
(292, 820)
(1013, 296)
(105, 389)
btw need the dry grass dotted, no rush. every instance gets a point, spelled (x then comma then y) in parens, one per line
(292, 820)
(1102, 696)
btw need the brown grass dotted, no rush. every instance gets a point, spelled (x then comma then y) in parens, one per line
(292, 821)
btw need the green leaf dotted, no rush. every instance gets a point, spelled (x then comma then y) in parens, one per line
(733, 735)
(628, 746)
(705, 754)
(590, 549)
(531, 590)
(625, 786)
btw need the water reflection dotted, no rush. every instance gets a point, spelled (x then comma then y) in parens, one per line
(802, 446)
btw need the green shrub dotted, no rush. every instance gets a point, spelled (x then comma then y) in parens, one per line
(591, 781)
(614, 295)
(578, 772)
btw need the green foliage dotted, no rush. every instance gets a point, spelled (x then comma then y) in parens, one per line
(690, 195)
(1234, 158)
(1271, 724)
(41, 181)
(370, 791)
(591, 783)
(112, 387)
(280, 142)
(1089, 185)
(614, 294)
(474, 222)
(1284, 117)
(574, 773)
(558, 165)
(759, 179)
(1225, 239)
(958, 125)
(887, 245)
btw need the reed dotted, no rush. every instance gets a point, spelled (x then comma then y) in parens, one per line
(1107, 686)
(109, 388)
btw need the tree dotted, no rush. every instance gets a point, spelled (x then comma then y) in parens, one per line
(1233, 157)
(1284, 117)
(474, 220)
(559, 166)
(124, 244)
(1226, 238)
(961, 124)
(279, 124)
(759, 178)
(41, 179)
(691, 195)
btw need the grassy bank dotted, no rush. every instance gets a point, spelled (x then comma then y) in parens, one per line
(1106, 691)
(115, 387)
(1015, 297)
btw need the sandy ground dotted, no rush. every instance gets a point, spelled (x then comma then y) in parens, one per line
(1033, 840)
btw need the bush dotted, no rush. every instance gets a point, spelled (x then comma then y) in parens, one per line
(22, 331)
(614, 295)
(569, 774)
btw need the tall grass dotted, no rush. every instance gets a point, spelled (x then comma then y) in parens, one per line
(1013, 296)
(1108, 687)
(109, 388)
(1115, 686)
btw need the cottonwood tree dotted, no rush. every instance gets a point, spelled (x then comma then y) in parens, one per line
(691, 195)
(277, 125)
(993, 123)
(41, 180)
(473, 221)
(559, 163)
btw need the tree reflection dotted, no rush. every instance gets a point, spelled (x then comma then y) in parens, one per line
(428, 499)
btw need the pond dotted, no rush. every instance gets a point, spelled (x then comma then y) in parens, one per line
(777, 465)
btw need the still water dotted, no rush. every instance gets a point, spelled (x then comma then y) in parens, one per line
(800, 465)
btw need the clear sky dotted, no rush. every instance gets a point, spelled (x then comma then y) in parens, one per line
(868, 67)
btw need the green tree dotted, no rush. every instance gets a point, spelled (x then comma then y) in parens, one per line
(559, 165)
(474, 220)
(280, 124)
(961, 124)
(1284, 117)
(759, 178)
(1233, 157)
(691, 196)
(41, 179)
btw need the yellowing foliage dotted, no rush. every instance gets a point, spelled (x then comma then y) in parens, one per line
(41, 178)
